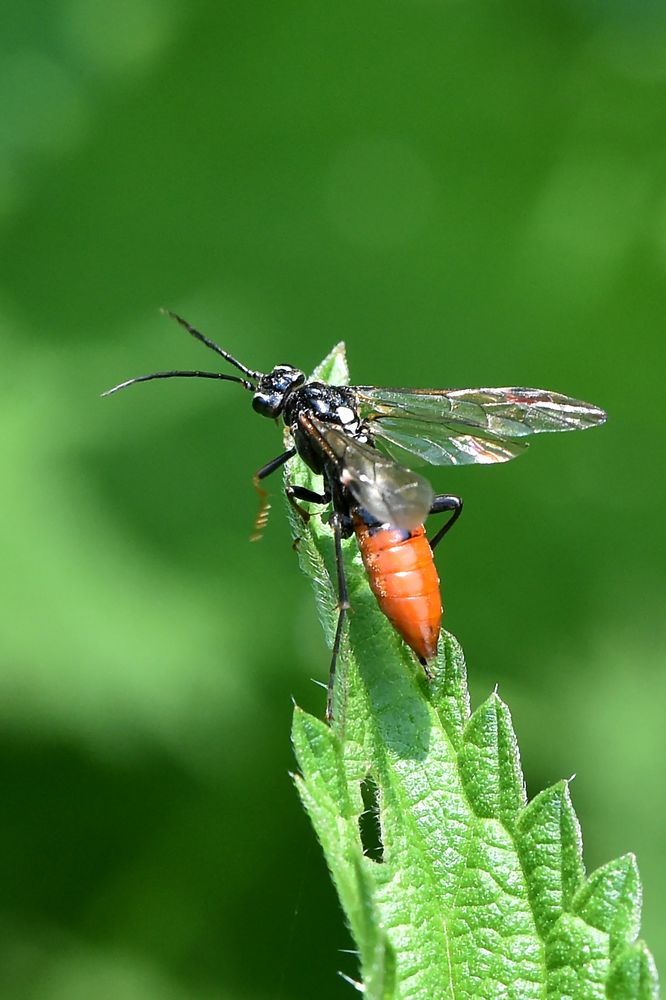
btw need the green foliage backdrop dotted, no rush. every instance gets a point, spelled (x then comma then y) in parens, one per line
(466, 194)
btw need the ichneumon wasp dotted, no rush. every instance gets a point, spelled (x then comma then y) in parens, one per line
(356, 438)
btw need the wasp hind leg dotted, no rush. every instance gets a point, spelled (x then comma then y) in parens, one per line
(343, 608)
(442, 504)
(295, 493)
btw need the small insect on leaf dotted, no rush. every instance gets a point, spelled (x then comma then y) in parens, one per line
(356, 437)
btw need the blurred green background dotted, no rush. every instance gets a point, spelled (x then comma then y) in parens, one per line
(467, 194)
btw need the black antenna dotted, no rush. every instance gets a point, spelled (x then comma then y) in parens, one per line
(210, 343)
(147, 378)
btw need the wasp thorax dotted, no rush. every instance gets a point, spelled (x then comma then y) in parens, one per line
(273, 389)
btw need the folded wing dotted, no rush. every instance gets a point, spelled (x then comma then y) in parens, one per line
(389, 492)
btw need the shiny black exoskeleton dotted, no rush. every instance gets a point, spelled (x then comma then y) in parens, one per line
(285, 392)
(325, 424)
(274, 388)
(334, 430)
(333, 405)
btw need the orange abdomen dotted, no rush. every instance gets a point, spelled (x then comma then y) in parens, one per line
(404, 580)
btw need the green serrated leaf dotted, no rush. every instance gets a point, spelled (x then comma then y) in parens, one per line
(333, 369)
(380, 979)
(470, 894)
(549, 841)
(576, 959)
(334, 808)
(633, 975)
(490, 763)
(611, 900)
(320, 757)
(448, 691)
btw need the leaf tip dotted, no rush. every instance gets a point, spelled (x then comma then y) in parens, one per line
(610, 900)
(633, 975)
(490, 762)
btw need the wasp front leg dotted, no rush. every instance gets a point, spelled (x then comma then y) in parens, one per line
(264, 503)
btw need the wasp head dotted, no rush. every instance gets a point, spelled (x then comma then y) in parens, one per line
(272, 391)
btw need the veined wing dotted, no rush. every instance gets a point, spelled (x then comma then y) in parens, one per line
(444, 444)
(470, 426)
(389, 492)
(509, 411)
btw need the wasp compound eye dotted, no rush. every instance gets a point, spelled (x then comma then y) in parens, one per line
(268, 404)
(273, 389)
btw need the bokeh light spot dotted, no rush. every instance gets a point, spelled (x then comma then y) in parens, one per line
(40, 105)
(10, 188)
(78, 973)
(380, 192)
(636, 49)
(119, 37)
(590, 211)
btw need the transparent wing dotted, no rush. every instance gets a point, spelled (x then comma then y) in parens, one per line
(444, 444)
(510, 411)
(470, 426)
(389, 492)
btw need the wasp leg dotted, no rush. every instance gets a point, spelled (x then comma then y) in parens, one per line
(441, 504)
(343, 608)
(271, 466)
(295, 493)
(264, 504)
